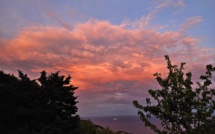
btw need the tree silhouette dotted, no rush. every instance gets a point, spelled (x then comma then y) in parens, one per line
(46, 105)
(179, 107)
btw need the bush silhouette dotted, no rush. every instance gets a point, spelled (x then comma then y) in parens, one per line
(180, 107)
(46, 105)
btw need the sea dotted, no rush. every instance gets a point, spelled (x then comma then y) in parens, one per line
(127, 123)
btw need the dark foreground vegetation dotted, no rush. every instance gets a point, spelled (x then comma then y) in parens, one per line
(43, 106)
(87, 127)
(47, 105)
(181, 108)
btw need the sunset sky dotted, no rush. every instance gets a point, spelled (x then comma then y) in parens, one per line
(111, 48)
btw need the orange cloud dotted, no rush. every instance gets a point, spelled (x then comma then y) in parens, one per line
(98, 52)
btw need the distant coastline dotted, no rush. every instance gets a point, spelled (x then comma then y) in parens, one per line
(128, 123)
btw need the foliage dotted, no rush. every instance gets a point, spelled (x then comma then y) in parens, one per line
(180, 107)
(87, 127)
(47, 105)
(122, 132)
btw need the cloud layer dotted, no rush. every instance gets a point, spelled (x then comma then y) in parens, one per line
(110, 63)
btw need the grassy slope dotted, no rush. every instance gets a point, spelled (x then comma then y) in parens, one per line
(87, 127)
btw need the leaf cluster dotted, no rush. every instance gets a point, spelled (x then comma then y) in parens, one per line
(180, 107)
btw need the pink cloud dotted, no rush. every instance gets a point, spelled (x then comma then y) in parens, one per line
(108, 62)
(190, 22)
(157, 6)
(98, 52)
